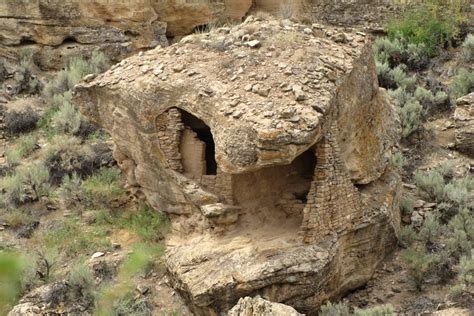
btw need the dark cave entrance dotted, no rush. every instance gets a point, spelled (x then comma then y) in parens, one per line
(197, 147)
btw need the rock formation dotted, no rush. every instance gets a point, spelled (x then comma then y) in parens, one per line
(464, 124)
(58, 29)
(249, 306)
(267, 145)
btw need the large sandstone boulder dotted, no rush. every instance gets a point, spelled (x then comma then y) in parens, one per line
(252, 139)
(464, 124)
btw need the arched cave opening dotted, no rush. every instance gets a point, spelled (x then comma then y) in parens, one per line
(68, 40)
(197, 147)
(27, 40)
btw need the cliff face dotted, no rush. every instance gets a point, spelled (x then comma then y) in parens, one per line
(57, 29)
(252, 139)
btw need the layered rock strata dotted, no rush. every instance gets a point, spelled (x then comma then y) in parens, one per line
(267, 144)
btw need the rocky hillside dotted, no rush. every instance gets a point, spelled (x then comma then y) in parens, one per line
(233, 157)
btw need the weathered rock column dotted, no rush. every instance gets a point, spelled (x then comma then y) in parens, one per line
(333, 201)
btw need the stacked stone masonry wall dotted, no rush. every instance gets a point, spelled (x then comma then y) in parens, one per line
(169, 128)
(333, 201)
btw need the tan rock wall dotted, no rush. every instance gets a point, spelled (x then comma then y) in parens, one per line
(333, 201)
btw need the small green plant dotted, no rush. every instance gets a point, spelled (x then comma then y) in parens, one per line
(71, 238)
(411, 117)
(381, 310)
(468, 49)
(407, 204)
(36, 178)
(430, 230)
(463, 83)
(12, 194)
(23, 147)
(128, 304)
(147, 223)
(75, 71)
(398, 161)
(46, 260)
(465, 280)
(103, 187)
(408, 236)
(338, 309)
(419, 263)
(67, 119)
(71, 190)
(110, 296)
(17, 217)
(12, 156)
(431, 183)
(460, 237)
(81, 282)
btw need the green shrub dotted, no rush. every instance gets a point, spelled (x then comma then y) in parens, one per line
(12, 156)
(338, 309)
(463, 83)
(22, 147)
(419, 263)
(12, 191)
(402, 79)
(20, 122)
(423, 25)
(75, 71)
(410, 116)
(398, 50)
(408, 236)
(81, 282)
(72, 239)
(46, 260)
(17, 217)
(459, 192)
(103, 187)
(468, 49)
(382, 310)
(66, 155)
(67, 119)
(128, 304)
(428, 99)
(407, 204)
(35, 177)
(397, 161)
(460, 237)
(430, 230)
(431, 183)
(147, 223)
(140, 258)
(71, 190)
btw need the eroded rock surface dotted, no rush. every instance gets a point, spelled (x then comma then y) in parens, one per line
(252, 139)
(464, 124)
(57, 30)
